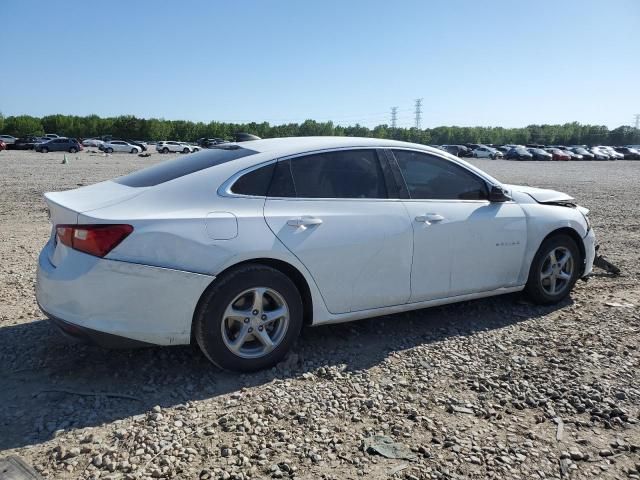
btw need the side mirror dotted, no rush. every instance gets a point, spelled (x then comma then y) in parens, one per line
(498, 194)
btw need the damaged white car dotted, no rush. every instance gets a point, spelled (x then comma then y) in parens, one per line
(238, 246)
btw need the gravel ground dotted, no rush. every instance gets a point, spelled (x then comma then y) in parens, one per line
(494, 388)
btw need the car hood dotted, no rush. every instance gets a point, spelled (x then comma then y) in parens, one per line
(541, 195)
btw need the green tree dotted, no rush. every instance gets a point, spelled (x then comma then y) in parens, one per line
(22, 125)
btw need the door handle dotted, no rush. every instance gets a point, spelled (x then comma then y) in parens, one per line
(304, 221)
(428, 218)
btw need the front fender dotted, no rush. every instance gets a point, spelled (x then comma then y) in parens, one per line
(542, 220)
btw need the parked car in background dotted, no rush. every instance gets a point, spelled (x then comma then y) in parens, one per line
(612, 153)
(457, 150)
(138, 143)
(62, 144)
(487, 152)
(629, 153)
(8, 139)
(52, 135)
(234, 248)
(171, 146)
(120, 146)
(599, 154)
(572, 155)
(519, 153)
(557, 154)
(26, 143)
(210, 142)
(92, 142)
(586, 154)
(539, 154)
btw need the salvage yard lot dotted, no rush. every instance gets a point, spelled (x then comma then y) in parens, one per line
(494, 388)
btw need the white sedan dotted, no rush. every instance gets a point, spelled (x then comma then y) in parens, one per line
(170, 146)
(92, 142)
(486, 152)
(120, 146)
(237, 246)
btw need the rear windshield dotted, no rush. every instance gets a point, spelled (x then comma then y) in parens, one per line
(181, 166)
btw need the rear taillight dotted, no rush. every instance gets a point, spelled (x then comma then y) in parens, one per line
(95, 240)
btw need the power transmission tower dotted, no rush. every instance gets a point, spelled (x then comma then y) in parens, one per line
(418, 112)
(394, 117)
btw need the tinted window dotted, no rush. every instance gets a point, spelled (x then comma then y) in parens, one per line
(340, 174)
(255, 182)
(282, 182)
(428, 177)
(179, 167)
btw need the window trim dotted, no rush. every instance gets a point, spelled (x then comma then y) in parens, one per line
(225, 189)
(396, 166)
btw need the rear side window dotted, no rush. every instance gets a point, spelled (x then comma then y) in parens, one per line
(179, 167)
(339, 174)
(255, 182)
(429, 177)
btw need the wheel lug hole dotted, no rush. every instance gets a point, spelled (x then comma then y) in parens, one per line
(255, 312)
(250, 329)
(246, 320)
(260, 328)
(263, 317)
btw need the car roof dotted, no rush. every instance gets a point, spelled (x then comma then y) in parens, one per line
(292, 145)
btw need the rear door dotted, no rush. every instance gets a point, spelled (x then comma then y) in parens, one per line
(463, 243)
(331, 210)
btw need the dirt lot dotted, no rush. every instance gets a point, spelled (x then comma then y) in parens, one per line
(494, 388)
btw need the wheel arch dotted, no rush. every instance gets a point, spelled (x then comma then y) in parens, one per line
(575, 236)
(286, 268)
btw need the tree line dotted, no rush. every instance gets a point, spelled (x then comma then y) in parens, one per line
(131, 127)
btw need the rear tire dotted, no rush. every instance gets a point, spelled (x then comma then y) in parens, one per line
(109, 150)
(186, 150)
(72, 150)
(216, 330)
(44, 150)
(554, 270)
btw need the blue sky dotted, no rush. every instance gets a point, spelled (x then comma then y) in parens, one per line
(502, 63)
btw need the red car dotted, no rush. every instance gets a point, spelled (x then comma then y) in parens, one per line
(3, 146)
(557, 154)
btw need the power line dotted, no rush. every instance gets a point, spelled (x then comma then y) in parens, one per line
(418, 112)
(394, 117)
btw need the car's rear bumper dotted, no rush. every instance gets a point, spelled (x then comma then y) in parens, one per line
(99, 299)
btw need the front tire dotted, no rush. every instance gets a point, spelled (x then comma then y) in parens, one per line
(109, 150)
(134, 150)
(186, 150)
(72, 150)
(249, 319)
(44, 150)
(554, 270)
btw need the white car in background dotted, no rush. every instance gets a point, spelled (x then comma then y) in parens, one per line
(8, 139)
(120, 146)
(92, 142)
(612, 153)
(600, 154)
(237, 246)
(170, 146)
(487, 152)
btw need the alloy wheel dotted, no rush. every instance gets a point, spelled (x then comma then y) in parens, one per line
(557, 271)
(255, 322)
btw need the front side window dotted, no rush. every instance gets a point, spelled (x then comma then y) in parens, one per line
(429, 177)
(338, 174)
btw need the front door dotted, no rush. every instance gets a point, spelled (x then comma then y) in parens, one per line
(462, 242)
(331, 210)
